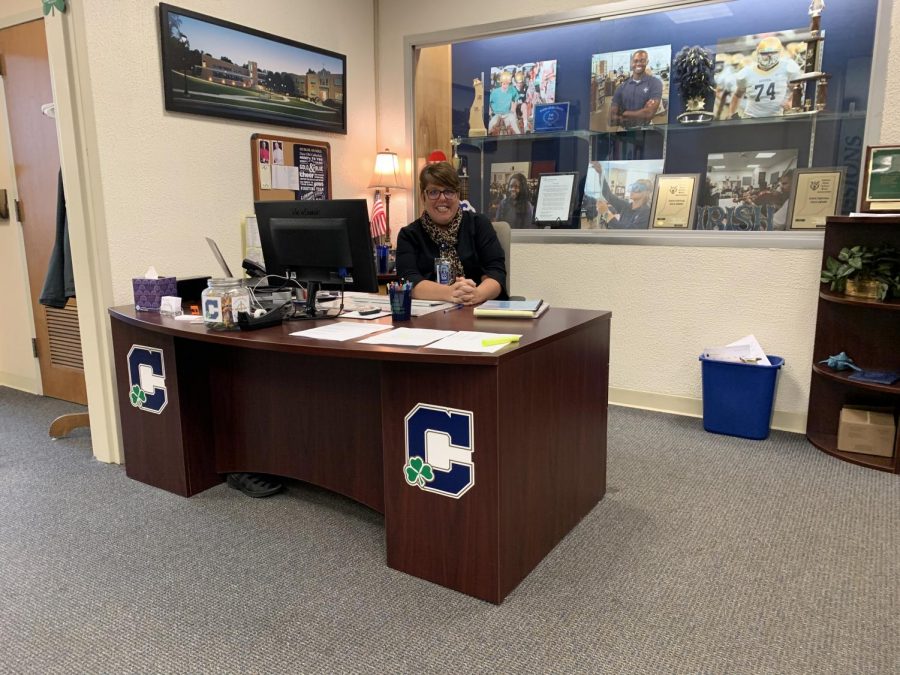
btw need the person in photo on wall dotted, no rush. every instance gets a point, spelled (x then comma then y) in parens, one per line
(638, 98)
(264, 152)
(277, 152)
(632, 213)
(467, 239)
(515, 208)
(766, 83)
(786, 183)
(502, 103)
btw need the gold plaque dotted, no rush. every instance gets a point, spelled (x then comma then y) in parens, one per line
(816, 194)
(674, 201)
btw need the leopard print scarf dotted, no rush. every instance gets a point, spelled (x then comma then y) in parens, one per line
(446, 235)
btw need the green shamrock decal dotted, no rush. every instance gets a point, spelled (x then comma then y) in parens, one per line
(138, 397)
(417, 472)
(50, 5)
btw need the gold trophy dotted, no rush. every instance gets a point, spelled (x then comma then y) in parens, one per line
(476, 112)
(813, 73)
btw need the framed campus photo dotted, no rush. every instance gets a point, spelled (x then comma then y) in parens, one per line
(555, 199)
(218, 68)
(674, 201)
(816, 194)
(881, 179)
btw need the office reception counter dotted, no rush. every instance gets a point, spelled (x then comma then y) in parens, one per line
(480, 463)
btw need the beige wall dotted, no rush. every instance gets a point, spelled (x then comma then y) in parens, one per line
(668, 303)
(171, 179)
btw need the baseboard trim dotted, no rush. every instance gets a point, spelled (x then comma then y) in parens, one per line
(693, 407)
(26, 384)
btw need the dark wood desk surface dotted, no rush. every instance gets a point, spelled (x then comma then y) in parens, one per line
(554, 324)
(337, 414)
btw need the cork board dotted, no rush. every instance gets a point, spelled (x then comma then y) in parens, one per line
(287, 168)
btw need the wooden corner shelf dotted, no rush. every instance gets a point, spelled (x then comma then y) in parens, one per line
(828, 443)
(844, 376)
(868, 331)
(831, 296)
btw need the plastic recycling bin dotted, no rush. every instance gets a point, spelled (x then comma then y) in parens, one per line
(738, 397)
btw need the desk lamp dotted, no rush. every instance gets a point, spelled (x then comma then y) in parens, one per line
(387, 176)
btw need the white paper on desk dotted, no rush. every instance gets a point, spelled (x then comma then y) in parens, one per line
(341, 331)
(285, 177)
(408, 337)
(470, 341)
(356, 315)
(189, 318)
(756, 351)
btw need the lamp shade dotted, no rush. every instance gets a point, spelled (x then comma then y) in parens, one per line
(387, 171)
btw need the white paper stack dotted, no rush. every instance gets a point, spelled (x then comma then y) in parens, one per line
(745, 350)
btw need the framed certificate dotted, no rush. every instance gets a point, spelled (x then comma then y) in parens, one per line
(555, 199)
(551, 116)
(816, 194)
(674, 201)
(881, 179)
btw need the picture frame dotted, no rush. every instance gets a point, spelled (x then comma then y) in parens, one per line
(881, 179)
(551, 117)
(815, 195)
(555, 199)
(254, 77)
(674, 201)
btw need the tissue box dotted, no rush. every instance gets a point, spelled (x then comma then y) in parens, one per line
(147, 292)
(870, 432)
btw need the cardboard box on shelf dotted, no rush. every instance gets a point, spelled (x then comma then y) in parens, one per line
(869, 432)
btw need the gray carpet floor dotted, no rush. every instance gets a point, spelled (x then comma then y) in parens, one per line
(709, 554)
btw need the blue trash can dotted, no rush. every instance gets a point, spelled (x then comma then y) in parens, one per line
(738, 397)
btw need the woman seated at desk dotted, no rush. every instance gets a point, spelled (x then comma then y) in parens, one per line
(477, 260)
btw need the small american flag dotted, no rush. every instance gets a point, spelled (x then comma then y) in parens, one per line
(379, 218)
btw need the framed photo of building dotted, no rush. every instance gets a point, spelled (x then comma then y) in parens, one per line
(214, 67)
(881, 179)
(816, 194)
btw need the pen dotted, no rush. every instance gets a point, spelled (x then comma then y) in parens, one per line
(502, 340)
(450, 309)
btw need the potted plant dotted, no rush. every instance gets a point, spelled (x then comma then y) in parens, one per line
(862, 271)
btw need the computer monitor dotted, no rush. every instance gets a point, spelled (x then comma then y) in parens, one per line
(322, 242)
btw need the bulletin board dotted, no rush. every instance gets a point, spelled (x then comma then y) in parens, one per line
(287, 168)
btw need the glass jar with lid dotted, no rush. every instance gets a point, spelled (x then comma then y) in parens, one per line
(221, 300)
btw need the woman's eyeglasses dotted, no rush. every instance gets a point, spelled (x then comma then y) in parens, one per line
(434, 194)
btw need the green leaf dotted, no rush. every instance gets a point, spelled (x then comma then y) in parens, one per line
(427, 473)
(416, 463)
(49, 5)
(411, 475)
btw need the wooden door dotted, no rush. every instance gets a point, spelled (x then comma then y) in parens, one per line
(26, 76)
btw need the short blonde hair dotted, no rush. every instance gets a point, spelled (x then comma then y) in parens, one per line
(505, 76)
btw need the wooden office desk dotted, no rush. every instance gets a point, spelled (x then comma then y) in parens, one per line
(335, 414)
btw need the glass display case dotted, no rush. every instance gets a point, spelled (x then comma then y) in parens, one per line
(779, 97)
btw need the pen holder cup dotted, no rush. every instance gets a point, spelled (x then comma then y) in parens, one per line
(381, 257)
(401, 304)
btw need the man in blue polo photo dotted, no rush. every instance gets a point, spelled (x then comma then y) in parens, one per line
(637, 99)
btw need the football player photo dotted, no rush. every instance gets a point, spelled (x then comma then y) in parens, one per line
(754, 73)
